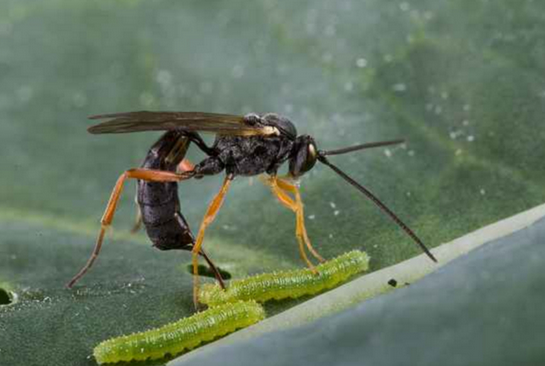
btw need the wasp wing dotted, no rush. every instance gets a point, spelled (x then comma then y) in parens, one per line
(224, 124)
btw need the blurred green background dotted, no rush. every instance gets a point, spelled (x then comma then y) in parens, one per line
(461, 81)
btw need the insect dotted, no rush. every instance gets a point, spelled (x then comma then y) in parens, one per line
(288, 284)
(244, 146)
(184, 334)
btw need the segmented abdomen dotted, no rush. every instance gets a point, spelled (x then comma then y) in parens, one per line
(286, 284)
(184, 334)
(165, 225)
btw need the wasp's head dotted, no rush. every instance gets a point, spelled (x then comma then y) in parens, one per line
(303, 155)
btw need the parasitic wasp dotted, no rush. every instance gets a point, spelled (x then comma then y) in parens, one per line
(244, 146)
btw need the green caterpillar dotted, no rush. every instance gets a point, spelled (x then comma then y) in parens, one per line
(229, 312)
(184, 334)
(286, 284)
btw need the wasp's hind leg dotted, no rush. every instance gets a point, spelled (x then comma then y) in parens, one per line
(107, 218)
(215, 270)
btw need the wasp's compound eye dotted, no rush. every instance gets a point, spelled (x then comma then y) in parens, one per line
(304, 156)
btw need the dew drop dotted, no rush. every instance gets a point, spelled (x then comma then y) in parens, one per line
(361, 62)
(238, 71)
(24, 93)
(400, 87)
(79, 99)
(288, 108)
(455, 134)
(164, 78)
(146, 99)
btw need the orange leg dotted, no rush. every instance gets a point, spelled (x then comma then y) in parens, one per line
(292, 188)
(282, 189)
(288, 202)
(209, 216)
(301, 226)
(185, 166)
(107, 218)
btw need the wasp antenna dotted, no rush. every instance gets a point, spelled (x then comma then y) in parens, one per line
(369, 145)
(381, 205)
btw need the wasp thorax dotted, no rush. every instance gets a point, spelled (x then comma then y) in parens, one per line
(304, 155)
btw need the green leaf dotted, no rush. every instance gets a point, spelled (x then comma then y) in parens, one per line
(480, 309)
(461, 81)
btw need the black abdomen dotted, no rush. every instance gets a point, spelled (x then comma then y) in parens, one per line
(169, 235)
(159, 204)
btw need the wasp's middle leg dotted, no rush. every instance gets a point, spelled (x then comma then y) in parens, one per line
(209, 216)
(183, 224)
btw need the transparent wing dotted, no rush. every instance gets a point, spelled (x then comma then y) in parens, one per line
(224, 124)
